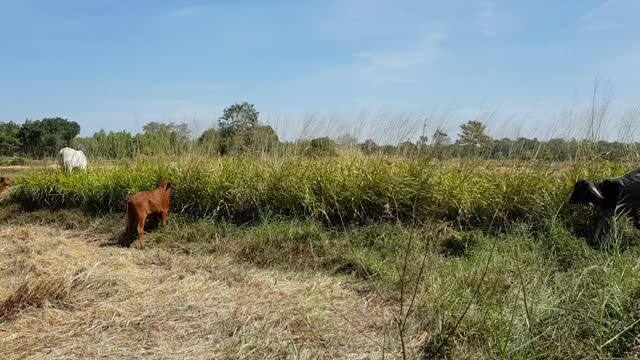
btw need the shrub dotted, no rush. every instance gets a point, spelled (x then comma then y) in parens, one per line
(12, 161)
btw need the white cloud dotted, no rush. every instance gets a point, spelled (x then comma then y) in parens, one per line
(487, 19)
(404, 65)
(355, 19)
(612, 14)
(180, 12)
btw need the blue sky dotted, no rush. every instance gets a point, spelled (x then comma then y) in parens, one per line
(119, 64)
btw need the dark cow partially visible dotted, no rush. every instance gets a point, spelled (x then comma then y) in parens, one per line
(4, 184)
(615, 196)
(145, 203)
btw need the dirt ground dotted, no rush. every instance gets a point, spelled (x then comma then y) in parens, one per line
(63, 296)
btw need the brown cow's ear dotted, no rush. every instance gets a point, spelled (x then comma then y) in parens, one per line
(1, 178)
(168, 185)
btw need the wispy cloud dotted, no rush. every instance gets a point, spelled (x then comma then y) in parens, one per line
(181, 12)
(612, 14)
(402, 65)
(354, 19)
(487, 19)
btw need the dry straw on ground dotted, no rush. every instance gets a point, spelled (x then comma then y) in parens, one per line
(62, 296)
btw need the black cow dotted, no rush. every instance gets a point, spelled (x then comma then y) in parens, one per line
(614, 196)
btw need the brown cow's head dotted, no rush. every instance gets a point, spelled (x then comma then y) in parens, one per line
(4, 183)
(585, 192)
(164, 185)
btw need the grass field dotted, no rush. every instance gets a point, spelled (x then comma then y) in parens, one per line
(348, 257)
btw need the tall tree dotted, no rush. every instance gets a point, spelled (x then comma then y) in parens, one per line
(160, 138)
(473, 135)
(369, 146)
(45, 137)
(238, 117)
(9, 141)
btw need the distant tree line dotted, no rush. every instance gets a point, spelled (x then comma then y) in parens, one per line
(473, 142)
(38, 138)
(239, 132)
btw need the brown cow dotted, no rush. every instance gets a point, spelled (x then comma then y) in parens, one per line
(4, 183)
(142, 204)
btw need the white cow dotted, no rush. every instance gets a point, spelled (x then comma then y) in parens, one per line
(69, 158)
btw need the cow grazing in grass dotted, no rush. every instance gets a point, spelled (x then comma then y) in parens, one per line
(615, 196)
(4, 184)
(69, 158)
(143, 204)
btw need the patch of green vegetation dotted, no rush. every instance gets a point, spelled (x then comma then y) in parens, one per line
(489, 261)
(522, 292)
(517, 294)
(349, 190)
(12, 161)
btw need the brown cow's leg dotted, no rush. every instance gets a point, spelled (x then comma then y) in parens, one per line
(129, 220)
(141, 222)
(165, 215)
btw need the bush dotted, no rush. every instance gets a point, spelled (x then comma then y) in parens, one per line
(12, 161)
(319, 147)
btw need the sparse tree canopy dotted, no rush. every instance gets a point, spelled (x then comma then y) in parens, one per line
(407, 148)
(346, 140)
(369, 146)
(238, 117)
(473, 135)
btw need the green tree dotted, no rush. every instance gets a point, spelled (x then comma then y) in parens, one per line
(323, 146)
(238, 117)
(159, 138)
(407, 148)
(473, 135)
(45, 137)
(257, 139)
(211, 141)
(240, 132)
(369, 147)
(346, 140)
(112, 145)
(9, 141)
(263, 138)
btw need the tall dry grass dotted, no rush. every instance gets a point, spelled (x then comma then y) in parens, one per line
(338, 191)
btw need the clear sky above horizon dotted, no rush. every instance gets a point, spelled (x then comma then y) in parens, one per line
(119, 64)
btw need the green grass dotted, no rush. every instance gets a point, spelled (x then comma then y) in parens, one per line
(338, 191)
(500, 266)
(523, 293)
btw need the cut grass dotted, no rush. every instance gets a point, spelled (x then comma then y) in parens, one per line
(155, 304)
(516, 294)
(33, 294)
